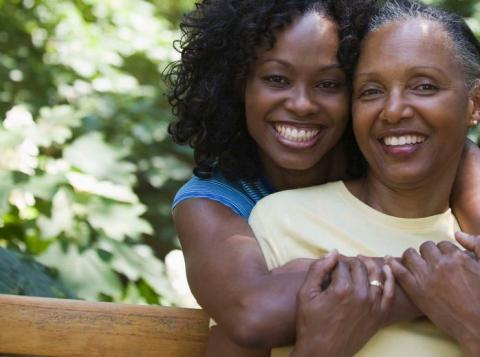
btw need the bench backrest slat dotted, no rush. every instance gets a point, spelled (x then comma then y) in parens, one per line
(59, 328)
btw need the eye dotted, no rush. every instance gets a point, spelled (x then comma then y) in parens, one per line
(426, 87)
(369, 93)
(276, 80)
(329, 84)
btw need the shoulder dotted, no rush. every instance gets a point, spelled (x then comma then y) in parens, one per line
(219, 189)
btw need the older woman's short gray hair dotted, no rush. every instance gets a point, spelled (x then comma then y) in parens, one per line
(466, 46)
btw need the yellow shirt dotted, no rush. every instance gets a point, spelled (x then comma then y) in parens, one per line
(308, 222)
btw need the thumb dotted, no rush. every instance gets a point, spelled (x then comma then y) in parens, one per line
(317, 273)
(469, 242)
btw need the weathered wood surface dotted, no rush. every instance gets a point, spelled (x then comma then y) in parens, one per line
(59, 328)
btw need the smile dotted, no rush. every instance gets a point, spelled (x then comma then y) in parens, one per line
(295, 134)
(403, 140)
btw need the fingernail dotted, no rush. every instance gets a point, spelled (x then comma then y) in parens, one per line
(332, 252)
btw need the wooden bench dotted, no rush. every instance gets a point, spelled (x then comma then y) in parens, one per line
(32, 326)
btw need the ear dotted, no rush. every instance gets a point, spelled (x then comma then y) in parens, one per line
(474, 104)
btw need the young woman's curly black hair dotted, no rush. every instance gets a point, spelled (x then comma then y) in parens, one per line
(218, 45)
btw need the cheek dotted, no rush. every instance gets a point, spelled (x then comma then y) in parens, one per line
(338, 108)
(363, 119)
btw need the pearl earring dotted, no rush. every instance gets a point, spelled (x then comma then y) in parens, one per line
(474, 122)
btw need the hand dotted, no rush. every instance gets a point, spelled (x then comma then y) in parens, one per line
(444, 282)
(470, 243)
(339, 319)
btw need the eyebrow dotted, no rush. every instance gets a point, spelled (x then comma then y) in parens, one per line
(287, 64)
(416, 68)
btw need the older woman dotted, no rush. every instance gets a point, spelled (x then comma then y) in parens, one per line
(416, 93)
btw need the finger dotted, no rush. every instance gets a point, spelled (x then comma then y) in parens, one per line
(447, 248)
(388, 289)
(316, 274)
(359, 278)
(430, 253)
(374, 277)
(413, 261)
(341, 280)
(404, 277)
(469, 242)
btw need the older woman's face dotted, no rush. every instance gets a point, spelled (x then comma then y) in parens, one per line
(411, 109)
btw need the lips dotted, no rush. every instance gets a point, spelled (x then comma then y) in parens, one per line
(400, 140)
(295, 133)
(401, 144)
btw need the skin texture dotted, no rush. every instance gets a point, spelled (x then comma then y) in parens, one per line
(298, 84)
(225, 267)
(443, 281)
(337, 306)
(466, 190)
(408, 82)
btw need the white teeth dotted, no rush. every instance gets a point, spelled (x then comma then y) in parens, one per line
(403, 140)
(293, 134)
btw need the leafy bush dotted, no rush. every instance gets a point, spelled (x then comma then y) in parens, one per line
(87, 172)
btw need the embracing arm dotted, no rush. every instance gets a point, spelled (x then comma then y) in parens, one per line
(229, 277)
(466, 193)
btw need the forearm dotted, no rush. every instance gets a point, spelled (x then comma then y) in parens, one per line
(219, 344)
(466, 193)
(262, 312)
(403, 308)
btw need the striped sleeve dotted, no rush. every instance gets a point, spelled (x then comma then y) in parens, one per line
(216, 189)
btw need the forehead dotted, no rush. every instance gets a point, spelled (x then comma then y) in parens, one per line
(309, 36)
(412, 42)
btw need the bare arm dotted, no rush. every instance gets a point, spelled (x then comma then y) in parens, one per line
(229, 277)
(466, 193)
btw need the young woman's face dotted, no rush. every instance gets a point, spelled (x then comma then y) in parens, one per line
(296, 98)
(411, 109)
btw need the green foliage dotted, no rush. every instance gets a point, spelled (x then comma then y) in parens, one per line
(21, 275)
(87, 172)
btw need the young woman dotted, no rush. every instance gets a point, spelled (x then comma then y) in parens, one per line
(416, 92)
(262, 98)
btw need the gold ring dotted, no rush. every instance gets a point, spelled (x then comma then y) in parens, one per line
(376, 283)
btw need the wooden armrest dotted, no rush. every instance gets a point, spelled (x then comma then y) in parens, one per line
(56, 327)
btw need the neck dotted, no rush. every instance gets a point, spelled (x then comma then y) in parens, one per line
(422, 199)
(332, 167)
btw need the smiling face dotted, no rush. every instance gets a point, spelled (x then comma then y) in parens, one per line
(296, 98)
(411, 108)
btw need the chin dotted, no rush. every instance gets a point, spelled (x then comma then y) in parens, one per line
(297, 165)
(407, 179)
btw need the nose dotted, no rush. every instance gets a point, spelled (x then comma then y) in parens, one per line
(396, 108)
(301, 102)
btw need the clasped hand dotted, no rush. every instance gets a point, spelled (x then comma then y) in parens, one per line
(444, 282)
(348, 302)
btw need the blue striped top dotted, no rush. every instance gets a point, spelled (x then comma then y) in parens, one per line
(240, 195)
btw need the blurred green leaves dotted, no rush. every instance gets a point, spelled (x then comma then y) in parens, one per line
(87, 172)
